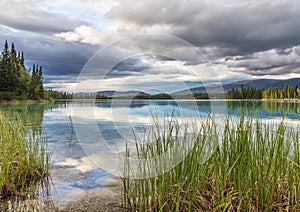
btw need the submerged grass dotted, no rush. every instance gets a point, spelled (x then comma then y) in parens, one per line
(255, 167)
(23, 158)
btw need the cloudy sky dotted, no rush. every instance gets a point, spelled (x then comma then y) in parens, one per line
(154, 45)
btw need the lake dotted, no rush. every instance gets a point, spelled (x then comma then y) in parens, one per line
(87, 139)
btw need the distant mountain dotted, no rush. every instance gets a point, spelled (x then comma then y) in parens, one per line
(122, 93)
(259, 83)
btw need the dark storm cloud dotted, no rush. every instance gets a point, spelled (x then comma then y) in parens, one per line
(279, 70)
(56, 56)
(271, 62)
(128, 68)
(135, 65)
(54, 79)
(252, 37)
(241, 26)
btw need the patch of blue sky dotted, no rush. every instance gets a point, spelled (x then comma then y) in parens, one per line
(94, 17)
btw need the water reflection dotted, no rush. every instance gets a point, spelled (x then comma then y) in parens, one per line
(265, 109)
(36, 198)
(73, 173)
(30, 115)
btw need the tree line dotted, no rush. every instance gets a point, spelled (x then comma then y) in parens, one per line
(52, 94)
(17, 82)
(288, 92)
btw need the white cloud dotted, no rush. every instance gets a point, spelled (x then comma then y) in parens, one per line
(84, 34)
(29, 16)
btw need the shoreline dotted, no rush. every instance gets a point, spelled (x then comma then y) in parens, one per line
(124, 99)
(108, 198)
(26, 101)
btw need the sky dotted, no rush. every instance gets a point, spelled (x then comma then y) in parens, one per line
(162, 46)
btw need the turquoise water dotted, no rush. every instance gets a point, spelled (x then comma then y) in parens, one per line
(86, 138)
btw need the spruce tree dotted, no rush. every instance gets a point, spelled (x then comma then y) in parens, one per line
(22, 59)
(15, 80)
(13, 69)
(13, 52)
(5, 75)
(32, 91)
(40, 84)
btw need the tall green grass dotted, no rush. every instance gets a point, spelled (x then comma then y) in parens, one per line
(255, 167)
(23, 157)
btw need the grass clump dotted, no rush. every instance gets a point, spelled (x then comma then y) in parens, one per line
(255, 167)
(23, 158)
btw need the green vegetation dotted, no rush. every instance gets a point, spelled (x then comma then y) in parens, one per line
(201, 96)
(100, 97)
(288, 92)
(155, 96)
(245, 93)
(51, 94)
(256, 167)
(16, 82)
(30, 115)
(19, 83)
(279, 108)
(23, 157)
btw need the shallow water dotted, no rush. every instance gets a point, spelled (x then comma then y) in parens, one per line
(87, 139)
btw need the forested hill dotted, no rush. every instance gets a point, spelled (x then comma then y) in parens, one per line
(17, 82)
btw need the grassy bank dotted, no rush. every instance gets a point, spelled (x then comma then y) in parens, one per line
(256, 167)
(23, 158)
(29, 101)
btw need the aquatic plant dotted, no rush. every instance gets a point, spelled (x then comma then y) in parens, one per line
(255, 167)
(23, 157)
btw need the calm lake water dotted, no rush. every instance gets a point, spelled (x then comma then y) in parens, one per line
(85, 138)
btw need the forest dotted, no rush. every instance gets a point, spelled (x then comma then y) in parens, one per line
(288, 92)
(17, 82)
(20, 83)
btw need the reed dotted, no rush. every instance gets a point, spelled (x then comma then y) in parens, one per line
(255, 167)
(23, 157)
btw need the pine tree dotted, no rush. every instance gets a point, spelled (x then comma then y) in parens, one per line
(33, 83)
(5, 76)
(22, 59)
(15, 80)
(13, 69)
(13, 52)
(5, 51)
(40, 83)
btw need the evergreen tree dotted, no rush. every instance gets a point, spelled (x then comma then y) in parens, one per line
(22, 59)
(288, 92)
(13, 52)
(13, 69)
(15, 80)
(40, 84)
(5, 51)
(33, 83)
(4, 82)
